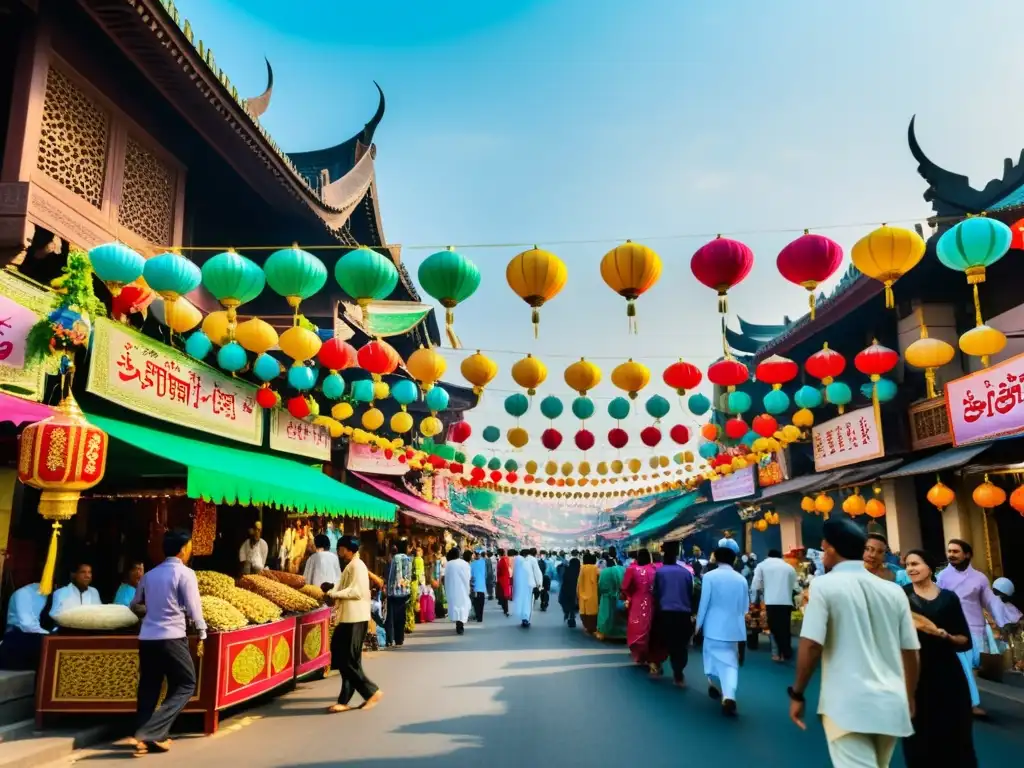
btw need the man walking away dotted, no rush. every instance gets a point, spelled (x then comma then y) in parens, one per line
(524, 582)
(352, 610)
(777, 580)
(457, 586)
(861, 629)
(477, 583)
(167, 594)
(504, 578)
(673, 606)
(398, 583)
(491, 573)
(545, 582)
(724, 602)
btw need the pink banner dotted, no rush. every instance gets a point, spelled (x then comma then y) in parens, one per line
(363, 458)
(987, 404)
(849, 438)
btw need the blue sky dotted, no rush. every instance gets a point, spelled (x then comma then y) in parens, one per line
(552, 120)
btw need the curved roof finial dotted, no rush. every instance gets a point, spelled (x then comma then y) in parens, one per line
(259, 104)
(929, 170)
(371, 127)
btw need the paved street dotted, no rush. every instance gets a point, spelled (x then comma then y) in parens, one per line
(501, 696)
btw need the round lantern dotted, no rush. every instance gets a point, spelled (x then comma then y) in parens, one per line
(266, 397)
(181, 316)
(839, 394)
(722, 264)
(728, 373)
(516, 405)
(426, 366)
(823, 504)
(883, 389)
(551, 407)
(529, 373)
(803, 419)
(708, 450)
(735, 429)
(231, 357)
(584, 439)
(929, 353)
(650, 436)
(298, 407)
(300, 377)
(116, 265)
(761, 525)
(854, 505)
(233, 280)
(630, 270)
(337, 355)
(405, 393)
(738, 402)
(372, 419)
(988, 495)
(807, 397)
(679, 434)
(808, 261)
(657, 407)
(299, 343)
(776, 370)
(618, 408)
(972, 245)
(295, 274)
(1017, 499)
(631, 377)
(682, 376)
(479, 370)
(491, 434)
(431, 426)
(825, 364)
(941, 495)
(378, 358)
(764, 426)
(582, 408)
(886, 254)
(536, 276)
(62, 455)
(874, 508)
(342, 411)
(807, 504)
(982, 341)
(401, 422)
(215, 326)
(449, 278)
(362, 391)
(698, 404)
(775, 402)
(618, 438)
(437, 400)
(171, 275)
(255, 335)
(366, 275)
(709, 432)
(551, 439)
(460, 432)
(582, 376)
(517, 437)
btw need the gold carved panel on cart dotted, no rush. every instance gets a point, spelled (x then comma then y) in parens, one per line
(74, 138)
(248, 665)
(146, 206)
(313, 642)
(929, 424)
(101, 675)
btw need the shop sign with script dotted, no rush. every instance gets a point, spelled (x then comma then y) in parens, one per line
(850, 438)
(987, 404)
(21, 305)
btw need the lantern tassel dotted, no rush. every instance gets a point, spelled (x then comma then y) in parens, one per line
(46, 580)
(874, 401)
(929, 380)
(812, 302)
(535, 316)
(631, 315)
(977, 306)
(449, 328)
(890, 297)
(723, 303)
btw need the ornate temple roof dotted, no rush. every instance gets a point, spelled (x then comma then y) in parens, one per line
(751, 337)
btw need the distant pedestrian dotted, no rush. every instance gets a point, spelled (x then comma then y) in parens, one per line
(457, 588)
(491, 567)
(477, 582)
(399, 578)
(504, 578)
(323, 566)
(567, 594)
(777, 580)
(721, 617)
(525, 583)
(586, 593)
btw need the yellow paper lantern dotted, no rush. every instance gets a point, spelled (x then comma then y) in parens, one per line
(255, 335)
(804, 418)
(517, 437)
(567, 468)
(479, 370)
(854, 505)
(790, 433)
(550, 468)
(381, 390)
(531, 467)
(988, 495)
(215, 326)
(426, 366)
(739, 463)
(725, 469)
(341, 411)
(761, 525)
(401, 422)
(631, 377)
(299, 343)
(570, 481)
(335, 429)
(634, 465)
(582, 376)
(602, 468)
(182, 316)
(653, 462)
(982, 341)
(886, 254)
(536, 276)
(630, 270)
(616, 466)
(929, 353)
(529, 373)
(431, 426)
(372, 419)
(807, 504)
(823, 504)
(874, 508)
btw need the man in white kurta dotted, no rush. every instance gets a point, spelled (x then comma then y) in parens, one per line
(456, 589)
(524, 581)
(724, 602)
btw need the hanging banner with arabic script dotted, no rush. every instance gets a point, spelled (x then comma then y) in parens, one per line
(291, 435)
(850, 438)
(21, 305)
(987, 404)
(144, 375)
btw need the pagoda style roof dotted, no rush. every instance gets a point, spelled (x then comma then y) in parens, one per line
(762, 331)
(751, 337)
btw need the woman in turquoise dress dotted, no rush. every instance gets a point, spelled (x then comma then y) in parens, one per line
(611, 611)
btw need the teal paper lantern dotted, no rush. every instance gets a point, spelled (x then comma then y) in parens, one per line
(618, 408)
(749, 438)
(436, 399)
(295, 274)
(116, 265)
(232, 357)
(886, 389)
(301, 377)
(516, 405)
(838, 393)
(198, 345)
(449, 278)
(171, 275)
(657, 407)
(405, 392)
(492, 434)
(698, 404)
(582, 408)
(738, 402)
(494, 464)
(511, 465)
(776, 402)
(366, 275)
(551, 407)
(334, 386)
(266, 367)
(807, 397)
(233, 279)
(480, 461)
(708, 450)
(973, 245)
(362, 391)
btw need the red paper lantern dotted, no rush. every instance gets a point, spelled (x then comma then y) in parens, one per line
(825, 364)
(528, 479)
(455, 467)
(650, 436)
(402, 459)
(876, 360)
(728, 373)
(680, 434)
(132, 299)
(776, 370)
(266, 397)
(617, 438)
(496, 476)
(765, 425)
(409, 453)
(551, 481)
(722, 264)
(736, 428)
(808, 261)
(511, 477)
(298, 407)
(721, 460)
(478, 474)
(379, 358)
(551, 438)
(337, 355)
(682, 376)
(460, 432)
(584, 439)
(1017, 241)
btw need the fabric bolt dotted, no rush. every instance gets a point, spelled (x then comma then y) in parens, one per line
(159, 660)
(169, 592)
(638, 588)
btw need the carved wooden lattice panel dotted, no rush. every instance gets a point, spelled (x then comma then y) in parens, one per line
(929, 424)
(147, 195)
(73, 140)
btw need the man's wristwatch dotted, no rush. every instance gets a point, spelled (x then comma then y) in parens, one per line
(794, 695)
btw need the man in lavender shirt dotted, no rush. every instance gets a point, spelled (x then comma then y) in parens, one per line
(166, 595)
(673, 606)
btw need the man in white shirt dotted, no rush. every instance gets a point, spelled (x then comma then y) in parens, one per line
(524, 581)
(860, 628)
(77, 593)
(777, 580)
(253, 552)
(538, 576)
(323, 566)
(724, 602)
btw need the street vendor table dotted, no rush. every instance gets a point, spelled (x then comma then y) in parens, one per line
(98, 674)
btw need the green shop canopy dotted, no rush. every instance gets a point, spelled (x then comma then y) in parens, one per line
(232, 476)
(663, 517)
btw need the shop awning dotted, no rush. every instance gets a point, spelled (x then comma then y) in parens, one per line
(436, 514)
(233, 476)
(861, 473)
(17, 411)
(664, 516)
(952, 458)
(795, 484)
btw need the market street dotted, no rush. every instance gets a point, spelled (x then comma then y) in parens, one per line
(501, 696)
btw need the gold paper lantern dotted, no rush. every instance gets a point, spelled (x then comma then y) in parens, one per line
(299, 343)
(401, 422)
(341, 411)
(518, 437)
(630, 270)
(631, 377)
(941, 495)
(988, 495)
(803, 419)
(531, 467)
(582, 376)
(479, 370)
(602, 468)
(874, 508)
(929, 353)
(807, 504)
(536, 276)
(372, 419)
(982, 341)
(567, 468)
(426, 366)
(431, 426)
(181, 316)
(381, 390)
(255, 335)
(584, 468)
(616, 466)
(529, 373)
(215, 326)
(886, 254)
(550, 468)
(854, 505)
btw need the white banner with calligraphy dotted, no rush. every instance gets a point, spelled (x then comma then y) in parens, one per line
(736, 485)
(850, 438)
(291, 435)
(363, 458)
(987, 404)
(144, 375)
(21, 305)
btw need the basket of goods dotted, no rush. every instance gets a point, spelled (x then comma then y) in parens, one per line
(293, 580)
(97, 618)
(258, 610)
(287, 598)
(220, 615)
(312, 590)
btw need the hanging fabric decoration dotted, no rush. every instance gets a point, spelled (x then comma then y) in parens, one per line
(296, 275)
(337, 355)
(529, 373)
(536, 276)
(631, 377)
(722, 264)
(631, 270)
(116, 265)
(928, 353)
(181, 316)
(874, 362)
(479, 370)
(809, 261)
(657, 407)
(886, 254)
(233, 280)
(582, 376)
(449, 278)
(738, 402)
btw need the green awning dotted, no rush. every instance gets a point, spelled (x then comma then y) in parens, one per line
(664, 516)
(232, 476)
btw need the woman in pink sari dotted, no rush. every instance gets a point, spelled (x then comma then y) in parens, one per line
(638, 593)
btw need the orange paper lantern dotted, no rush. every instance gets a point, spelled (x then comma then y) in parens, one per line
(941, 495)
(874, 508)
(988, 496)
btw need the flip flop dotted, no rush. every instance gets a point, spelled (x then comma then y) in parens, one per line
(373, 701)
(337, 708)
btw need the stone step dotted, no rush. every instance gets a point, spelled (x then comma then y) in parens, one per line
(38, 748)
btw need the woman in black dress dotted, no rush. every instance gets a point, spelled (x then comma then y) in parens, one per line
(942, 722)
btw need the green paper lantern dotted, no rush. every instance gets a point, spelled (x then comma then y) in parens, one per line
(516, 405)
(116, 265)
(449, 278)
(657, 407)
(618, 408)
(171, 275)
(366, 275)
(972, 245)
(480, 461)
(511, 465)
(494, 464)
(295, 274)
(582, 408)
(233, 279)
(551, 407)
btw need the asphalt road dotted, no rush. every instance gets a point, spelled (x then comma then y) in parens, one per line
(548, 696)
